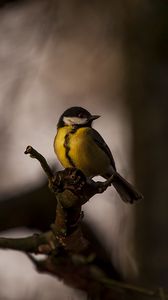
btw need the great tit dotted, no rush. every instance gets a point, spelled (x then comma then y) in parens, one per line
(78, 145)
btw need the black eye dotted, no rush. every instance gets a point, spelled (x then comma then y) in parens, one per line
(80, 115)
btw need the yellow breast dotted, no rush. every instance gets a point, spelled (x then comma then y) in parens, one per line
(85, 154)
(59, 146)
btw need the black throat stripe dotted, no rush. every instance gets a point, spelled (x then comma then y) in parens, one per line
(66, 145)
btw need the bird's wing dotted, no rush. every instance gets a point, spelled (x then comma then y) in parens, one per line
(102, 144)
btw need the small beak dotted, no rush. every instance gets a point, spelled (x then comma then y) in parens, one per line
(93, 117)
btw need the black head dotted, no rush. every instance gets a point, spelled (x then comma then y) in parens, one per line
(76, 116)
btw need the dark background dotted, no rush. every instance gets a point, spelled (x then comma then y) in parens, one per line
(110, 57)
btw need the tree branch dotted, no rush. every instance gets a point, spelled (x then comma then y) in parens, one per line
(32, 244)
(69, 254)
(34, 154)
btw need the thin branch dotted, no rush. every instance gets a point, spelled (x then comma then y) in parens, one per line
(37, 243)
(70, 256)
(34, 154)
(129, 287)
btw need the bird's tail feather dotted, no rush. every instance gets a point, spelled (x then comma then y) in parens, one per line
(126, 191)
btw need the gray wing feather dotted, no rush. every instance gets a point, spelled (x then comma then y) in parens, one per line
(102, 144)
(126, 191)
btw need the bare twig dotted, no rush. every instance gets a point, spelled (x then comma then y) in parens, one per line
(34, 154)
(129, 287)
(69, 254)
(37, 243)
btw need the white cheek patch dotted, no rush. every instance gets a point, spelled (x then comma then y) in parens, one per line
(74, 120)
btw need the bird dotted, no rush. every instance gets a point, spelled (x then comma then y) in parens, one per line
(78, 145)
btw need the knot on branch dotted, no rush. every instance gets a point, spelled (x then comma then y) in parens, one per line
(72, 189)
(70, 186)
(77, 184)
(70, 179)
(70, 256)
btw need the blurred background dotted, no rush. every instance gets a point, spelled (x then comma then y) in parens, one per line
(111, 58)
